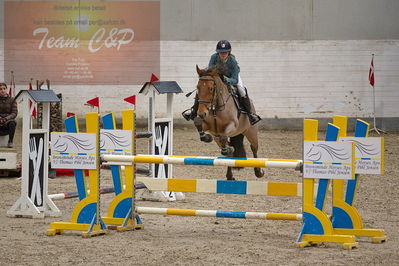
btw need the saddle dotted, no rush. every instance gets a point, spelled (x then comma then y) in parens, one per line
(234, 94)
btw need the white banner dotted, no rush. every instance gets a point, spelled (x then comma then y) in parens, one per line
(328, 160)
(116, 142)
(73, 150)
(369, 154)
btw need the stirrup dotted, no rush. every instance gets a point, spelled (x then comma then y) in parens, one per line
(188, 114)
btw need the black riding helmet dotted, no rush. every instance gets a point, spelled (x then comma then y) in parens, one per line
(223, 46)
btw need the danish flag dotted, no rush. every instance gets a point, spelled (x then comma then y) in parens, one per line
(371, 72)
(11, 91)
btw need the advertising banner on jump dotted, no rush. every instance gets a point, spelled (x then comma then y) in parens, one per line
(328, 160)
(73, 150)
(369, 154)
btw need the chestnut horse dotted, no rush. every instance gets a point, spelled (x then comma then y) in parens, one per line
(219, 116)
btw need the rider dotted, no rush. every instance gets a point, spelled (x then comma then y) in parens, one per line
(229, 69)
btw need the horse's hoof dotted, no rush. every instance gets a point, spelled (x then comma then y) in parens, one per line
(231, 178)
(206, 138)
(227, 151)
(259, 173)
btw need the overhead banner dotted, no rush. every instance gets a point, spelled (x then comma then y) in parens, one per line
(328, 160)
(82, 42)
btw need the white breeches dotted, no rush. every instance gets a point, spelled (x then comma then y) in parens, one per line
(240, 87)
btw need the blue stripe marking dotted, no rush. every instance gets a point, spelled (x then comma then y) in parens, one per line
(331, 135)
(64, 153)
(71, 127)
(317, 163)
(230, 214)
(361, 129)
(108, 121)
(118, 150)
(231, 187)
(82, 153)
(365, 158)
(336, 163)
(70, 124)
(198, 161)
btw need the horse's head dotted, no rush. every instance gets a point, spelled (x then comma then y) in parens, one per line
(207, 87)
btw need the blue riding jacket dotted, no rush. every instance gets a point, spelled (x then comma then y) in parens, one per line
(230, 68)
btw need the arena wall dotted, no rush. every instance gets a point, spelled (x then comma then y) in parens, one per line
(298, 58)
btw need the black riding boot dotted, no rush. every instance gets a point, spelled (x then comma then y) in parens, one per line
(191, 113)
(246, 104)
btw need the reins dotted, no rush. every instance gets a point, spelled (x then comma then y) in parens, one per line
(217, 94)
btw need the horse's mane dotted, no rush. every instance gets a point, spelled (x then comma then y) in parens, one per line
(209, 71)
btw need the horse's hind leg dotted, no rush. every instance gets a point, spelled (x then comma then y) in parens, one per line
(252, 136)
(229, 174)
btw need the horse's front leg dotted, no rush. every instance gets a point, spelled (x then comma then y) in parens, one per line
(225, 149)
(203, 136)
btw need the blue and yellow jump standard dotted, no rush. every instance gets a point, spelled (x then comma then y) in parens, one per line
(346, 219)
(122, 208)
(317, 227)
(86, 214)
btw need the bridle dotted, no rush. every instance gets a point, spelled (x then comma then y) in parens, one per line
(217, 94)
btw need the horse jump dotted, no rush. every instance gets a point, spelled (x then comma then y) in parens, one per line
(317, 226)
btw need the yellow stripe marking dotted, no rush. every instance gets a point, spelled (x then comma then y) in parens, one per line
(250, 163)
(183, 212)
(282, 189)
(182, 185)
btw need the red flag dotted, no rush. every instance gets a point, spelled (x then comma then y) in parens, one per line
(32, 105)
(131, 99)
(94, 102)
(154, 78)
(70, 114)
(371, 72)
(11, 91)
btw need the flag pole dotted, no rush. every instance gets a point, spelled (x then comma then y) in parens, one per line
(371, 79)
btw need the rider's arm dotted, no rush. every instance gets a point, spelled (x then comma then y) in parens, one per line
(213, 60)
(235, 70)
(14, 111)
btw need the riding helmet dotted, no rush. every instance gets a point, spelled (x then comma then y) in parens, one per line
(223, 46)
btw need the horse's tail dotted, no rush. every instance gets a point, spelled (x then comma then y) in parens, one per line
(239, 150)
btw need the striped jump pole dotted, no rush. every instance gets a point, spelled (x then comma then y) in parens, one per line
(211, 161)
(288, 189)
(70, 195)
(221, 214)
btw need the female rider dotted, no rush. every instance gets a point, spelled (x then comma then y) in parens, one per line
(229, 69)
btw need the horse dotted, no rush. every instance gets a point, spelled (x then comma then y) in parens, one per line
(219, 117)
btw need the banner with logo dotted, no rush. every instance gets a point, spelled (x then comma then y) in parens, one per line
(82, 42)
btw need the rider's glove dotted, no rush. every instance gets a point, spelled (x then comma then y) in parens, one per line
(226, 80)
